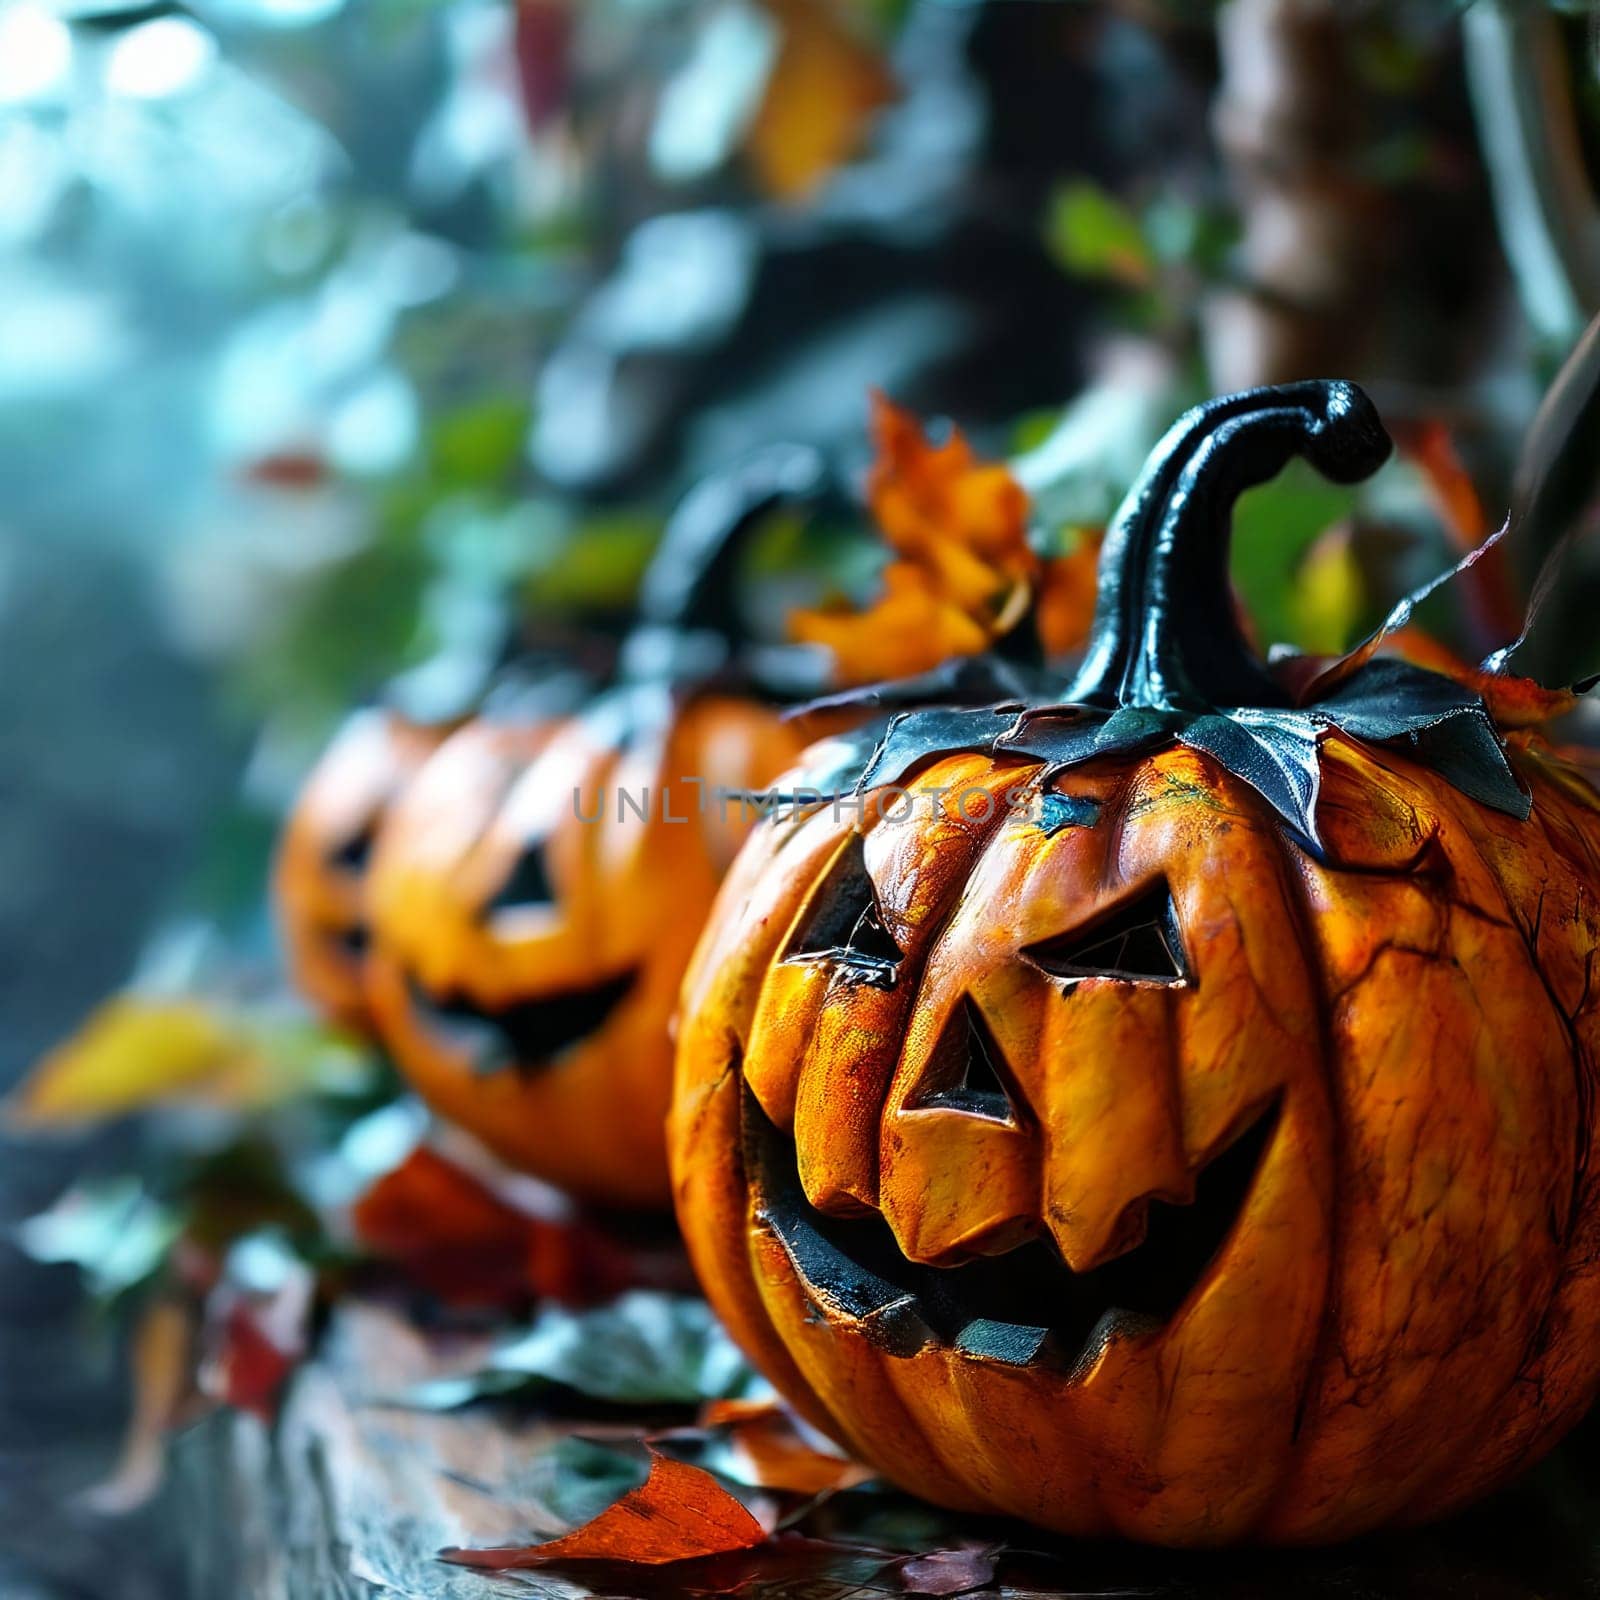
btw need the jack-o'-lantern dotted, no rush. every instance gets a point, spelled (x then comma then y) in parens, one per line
(1165, 1109)
(320, 875)
(537, 890)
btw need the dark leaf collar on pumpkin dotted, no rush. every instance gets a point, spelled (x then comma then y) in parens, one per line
(1166, 661)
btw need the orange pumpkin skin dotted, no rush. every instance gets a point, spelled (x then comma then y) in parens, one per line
(320, 873)
(526, 961)
(1406, 1307)
(1173, 1118)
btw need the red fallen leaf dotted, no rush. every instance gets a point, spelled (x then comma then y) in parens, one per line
(770, 1452)
(255, 1336)
(678, 1513)
(248, 1369)
(449, 1232)
(787, 1566)
(446, 1231)
(955, 1571)
(543, 44)
(288, 469)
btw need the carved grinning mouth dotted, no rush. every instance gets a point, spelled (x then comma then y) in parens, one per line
(1025, 1307)
(527, 1036)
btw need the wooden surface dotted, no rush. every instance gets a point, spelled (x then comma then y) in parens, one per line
(352, 1495)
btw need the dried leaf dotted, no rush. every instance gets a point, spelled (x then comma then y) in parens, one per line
(134, 1053)
(1333, 676)
(447, 1232)
(1519, 702)
(644, 1349)
(965, 574)
(786, 1567)
(679, 1513)
(955, 1571)
(1067, 591)
(824, 88)
(760, 1443)
(543, 47)
(258, 1325)
(463, 1241)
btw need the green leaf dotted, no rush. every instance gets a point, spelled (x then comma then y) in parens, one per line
(600, 566)
(643, 1349)
(1274, 525)
(479, 444)
(111, 1229)
(1094, 235)
(577, 1478)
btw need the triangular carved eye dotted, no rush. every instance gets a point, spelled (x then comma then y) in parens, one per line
(527, 884)
(967, 1071)
(1139, 942)
(352, 854)
(843, 925)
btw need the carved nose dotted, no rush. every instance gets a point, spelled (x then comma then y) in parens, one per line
(960, 1151)
(1112, 1125)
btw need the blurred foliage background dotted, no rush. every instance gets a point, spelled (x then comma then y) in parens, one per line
(345, 345)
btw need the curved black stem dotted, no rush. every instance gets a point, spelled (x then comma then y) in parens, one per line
(691, 584)
(1165, 635)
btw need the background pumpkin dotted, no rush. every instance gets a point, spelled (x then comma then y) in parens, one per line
(537, 891)
(1172, 1118)
(320, 872)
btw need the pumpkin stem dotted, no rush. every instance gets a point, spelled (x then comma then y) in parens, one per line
(691, 584)
(1165, 633)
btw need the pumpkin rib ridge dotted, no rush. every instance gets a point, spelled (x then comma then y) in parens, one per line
(1295, 866)
(1537, 1346)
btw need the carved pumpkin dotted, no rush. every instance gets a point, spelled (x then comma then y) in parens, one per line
(538, 889)
(1169, 1117)
(320, 885)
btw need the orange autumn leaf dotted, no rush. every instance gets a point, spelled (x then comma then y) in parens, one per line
(1513, 702)
(964, 573)
(163, 1395)
(825, 86)
(1068, 587)
(677, 1514)
(965, 519)
(1490, 587)
(774, 1454)
(1520, 702)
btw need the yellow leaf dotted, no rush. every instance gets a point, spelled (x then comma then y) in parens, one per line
(825, 86)
(136, 1052)
(1329, 595)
